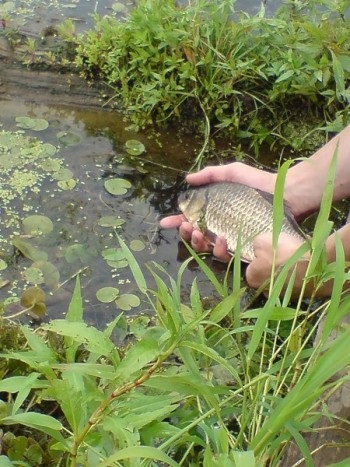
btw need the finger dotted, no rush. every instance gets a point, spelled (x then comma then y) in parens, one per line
(199, 243)
(220, 250)
(186, 230)
(254, 275)
(210, 174)
(172, 222)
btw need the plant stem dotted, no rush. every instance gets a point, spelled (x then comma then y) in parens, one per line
(99, 411)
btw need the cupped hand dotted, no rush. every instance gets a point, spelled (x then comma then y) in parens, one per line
(259, 270)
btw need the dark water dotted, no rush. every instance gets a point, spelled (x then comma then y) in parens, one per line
(100, 154)
(33, 16)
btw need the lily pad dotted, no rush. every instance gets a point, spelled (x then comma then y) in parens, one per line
(33, 276)
(111, 221)
(115, 258)
(48, 150)
(113, 254)
(127, 301)
(62, 174)
(29, 123)
(78, 252)
(67, 184)
(117, 186)
(68, 138)
(134, 147)
(29, 251)
(49, 271)
(119, 7)
(137, 245)
(107, 294)
(34, 298)
(51, 165)
(37, 225)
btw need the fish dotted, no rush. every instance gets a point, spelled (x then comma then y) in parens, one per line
(234, 211)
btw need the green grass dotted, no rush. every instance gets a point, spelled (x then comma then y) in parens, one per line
(281, 80)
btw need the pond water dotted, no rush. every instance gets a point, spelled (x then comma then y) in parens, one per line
(77, 243)
(32, 16)
(89, 147)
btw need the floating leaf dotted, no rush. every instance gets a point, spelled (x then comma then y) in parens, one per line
(115, 258)
(51, 165)
(118, 264)
(78, 252)
(62, 174)
(3, 265)
(113, 254)
(134, 147)
(48, 150)
(117, 186)
(28, 250)
(36, 124)
(127, 301)
(33, 275)
(119, 7)
(34, 298)
(111, 221)
(67, 184)
(107, 294)
(67, 138)
(50, 273)
(137, 245)
(37, 225)
(141, 169)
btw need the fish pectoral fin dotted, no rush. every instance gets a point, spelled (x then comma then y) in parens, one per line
(210, 237)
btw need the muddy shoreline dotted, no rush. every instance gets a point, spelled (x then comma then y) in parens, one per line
(46, 86)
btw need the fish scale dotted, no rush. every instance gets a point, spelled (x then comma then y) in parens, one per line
(231, 209)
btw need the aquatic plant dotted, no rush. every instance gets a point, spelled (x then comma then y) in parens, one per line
(283, 79)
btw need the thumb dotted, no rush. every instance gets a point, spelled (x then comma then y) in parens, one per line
(253, 274)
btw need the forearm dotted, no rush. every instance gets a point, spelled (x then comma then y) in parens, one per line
(305, 182)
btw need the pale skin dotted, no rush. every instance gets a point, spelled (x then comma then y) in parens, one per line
(304, 187)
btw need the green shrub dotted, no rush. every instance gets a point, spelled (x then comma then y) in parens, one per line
(266, 79)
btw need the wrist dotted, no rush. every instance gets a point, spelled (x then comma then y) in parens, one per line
(303, 190)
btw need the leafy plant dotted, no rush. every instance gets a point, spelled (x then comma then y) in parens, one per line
(263, 79)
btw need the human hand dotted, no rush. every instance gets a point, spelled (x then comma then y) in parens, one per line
(259, 270)
(234, 172)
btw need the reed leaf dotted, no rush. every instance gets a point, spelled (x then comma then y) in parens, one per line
(306, 391)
